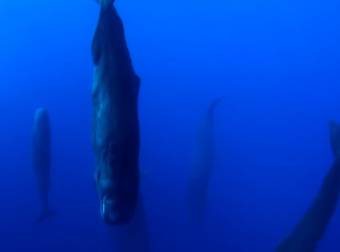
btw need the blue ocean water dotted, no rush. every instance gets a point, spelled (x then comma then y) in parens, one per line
(276, 63)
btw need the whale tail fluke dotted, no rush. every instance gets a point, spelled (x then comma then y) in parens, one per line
(45, 215)
(216, 102)
(213, 105)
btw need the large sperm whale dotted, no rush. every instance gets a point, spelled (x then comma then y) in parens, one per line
(42, 159)
(115, 129)
(203, 165)
(311, 229)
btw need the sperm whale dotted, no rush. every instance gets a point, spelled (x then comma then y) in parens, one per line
(42, 159)
(115, 128)
(203, 164)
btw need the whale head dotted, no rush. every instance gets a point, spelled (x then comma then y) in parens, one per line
(117, 179)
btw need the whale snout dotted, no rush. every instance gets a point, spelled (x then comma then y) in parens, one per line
(107, 211)
(112, 213)
(117, 202)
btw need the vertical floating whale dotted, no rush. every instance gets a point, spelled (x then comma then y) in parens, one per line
(42, 159)
(115, 130)
(311, 229)
(203, 165)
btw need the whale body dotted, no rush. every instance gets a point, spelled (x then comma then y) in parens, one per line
(42, 159)
(202, 169)
(115, 128)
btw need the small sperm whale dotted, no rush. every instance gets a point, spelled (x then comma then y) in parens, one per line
(42, 159)
(115, 128)
(311, 229)
(203, 165)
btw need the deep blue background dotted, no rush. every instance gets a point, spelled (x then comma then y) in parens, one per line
(277, 64)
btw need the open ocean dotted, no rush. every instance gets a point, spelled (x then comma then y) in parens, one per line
(276, 63)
